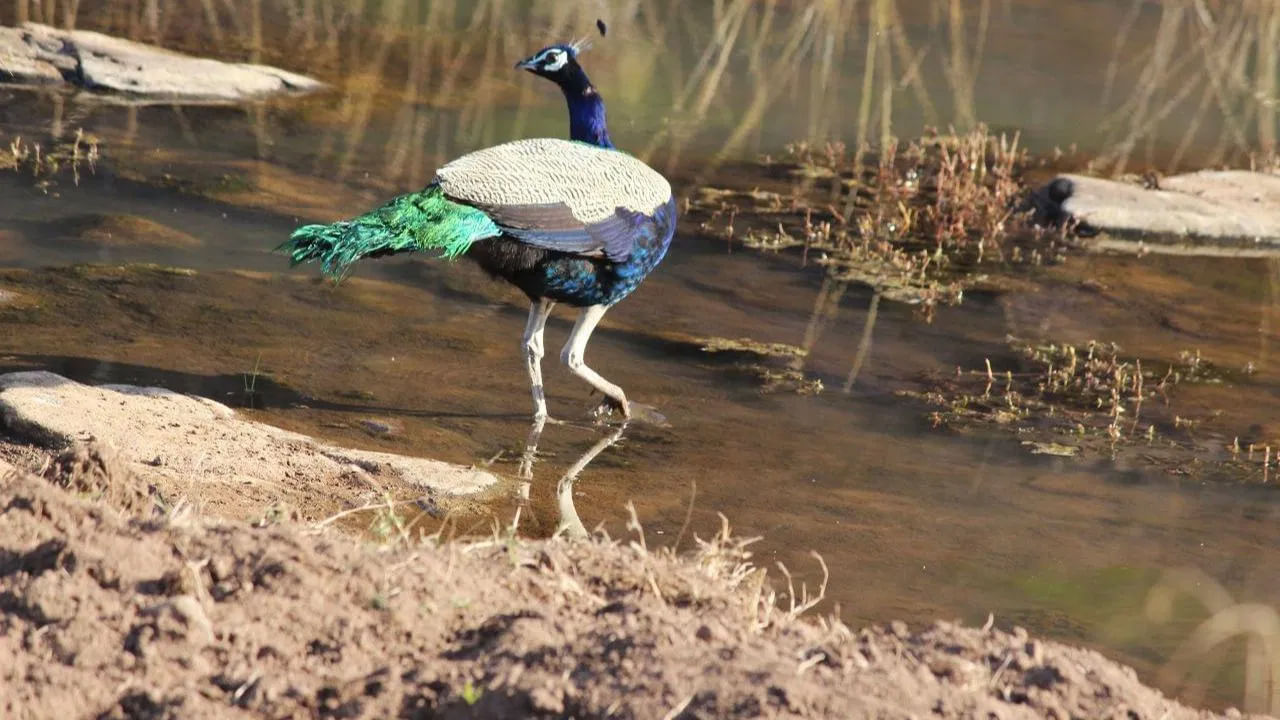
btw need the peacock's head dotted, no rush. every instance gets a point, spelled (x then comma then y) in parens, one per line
(557, 63)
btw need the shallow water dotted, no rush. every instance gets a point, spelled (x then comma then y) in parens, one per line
(914, 523)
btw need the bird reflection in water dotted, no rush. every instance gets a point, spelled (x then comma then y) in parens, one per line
(570, 524)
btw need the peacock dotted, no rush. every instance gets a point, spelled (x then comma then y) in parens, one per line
(566, 221)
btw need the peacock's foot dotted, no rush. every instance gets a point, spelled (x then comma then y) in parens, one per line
(611, 405)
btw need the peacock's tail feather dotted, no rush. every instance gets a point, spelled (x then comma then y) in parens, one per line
(423, 220)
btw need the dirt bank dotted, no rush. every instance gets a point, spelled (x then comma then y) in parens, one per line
(115, 608)
(205, 452)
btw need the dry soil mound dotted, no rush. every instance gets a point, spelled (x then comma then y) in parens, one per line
(205, 452)
(144, 615)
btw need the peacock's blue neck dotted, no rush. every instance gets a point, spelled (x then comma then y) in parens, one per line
(586, 111)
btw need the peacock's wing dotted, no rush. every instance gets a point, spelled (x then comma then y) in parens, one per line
(561, 195)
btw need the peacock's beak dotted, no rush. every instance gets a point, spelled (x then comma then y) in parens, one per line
(529, 65)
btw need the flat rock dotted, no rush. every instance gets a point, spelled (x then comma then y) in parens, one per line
(1210, 212)
(36, 54)
(202, 448)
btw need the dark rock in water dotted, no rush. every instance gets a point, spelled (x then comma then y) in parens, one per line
(36, 54)
(1210, 212)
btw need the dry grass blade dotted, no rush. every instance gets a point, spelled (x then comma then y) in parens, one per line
(804, 602)
(1258, 624)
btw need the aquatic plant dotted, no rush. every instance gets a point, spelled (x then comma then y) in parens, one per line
(916, 222)
(45, 162)
(1065, 399)
(1081, 390)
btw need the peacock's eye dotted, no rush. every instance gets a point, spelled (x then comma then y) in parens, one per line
(554, 60)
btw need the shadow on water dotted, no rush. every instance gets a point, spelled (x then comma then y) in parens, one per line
(247, 390)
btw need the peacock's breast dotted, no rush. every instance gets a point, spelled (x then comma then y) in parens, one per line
(583, 281)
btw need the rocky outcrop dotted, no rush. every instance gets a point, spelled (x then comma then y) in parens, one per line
(197, 448)
(1210, 212)
(35, 54)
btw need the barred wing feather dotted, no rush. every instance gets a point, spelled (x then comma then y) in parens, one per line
(560, 195)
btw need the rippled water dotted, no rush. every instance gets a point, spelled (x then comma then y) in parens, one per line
(914, 523)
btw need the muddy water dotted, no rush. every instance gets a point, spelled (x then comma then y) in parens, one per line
(914, 523)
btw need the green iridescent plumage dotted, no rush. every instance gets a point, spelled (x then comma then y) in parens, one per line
(424, 220)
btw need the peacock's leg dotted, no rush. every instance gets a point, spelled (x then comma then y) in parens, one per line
(530, 454)
(539, 311)
(576, 348)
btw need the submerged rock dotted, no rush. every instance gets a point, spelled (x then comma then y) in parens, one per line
(200, 448)
(1210, 212)
(36, 54)
(116, 231)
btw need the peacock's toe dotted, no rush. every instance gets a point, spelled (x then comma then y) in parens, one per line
(610, 407)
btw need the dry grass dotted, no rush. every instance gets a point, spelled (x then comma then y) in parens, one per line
(1207, 73)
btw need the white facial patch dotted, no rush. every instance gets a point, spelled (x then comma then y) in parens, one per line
(554, 59)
